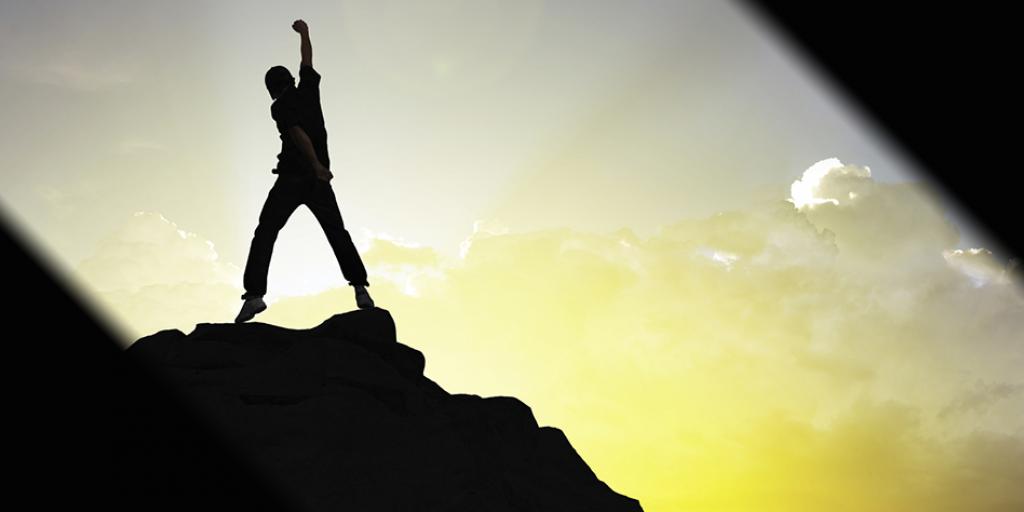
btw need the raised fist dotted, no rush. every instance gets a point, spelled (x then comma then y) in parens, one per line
(300, 26)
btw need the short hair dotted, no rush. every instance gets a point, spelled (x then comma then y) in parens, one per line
(277, 78)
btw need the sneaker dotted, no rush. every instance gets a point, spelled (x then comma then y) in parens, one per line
(249, 309)
(363, 299)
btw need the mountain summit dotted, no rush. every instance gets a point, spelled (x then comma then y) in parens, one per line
(341, 417)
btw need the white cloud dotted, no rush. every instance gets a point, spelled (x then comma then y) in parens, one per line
(979, 265)
(403, 263)
(151, 250)
(879, 228)
(151, 275)
(723, 258)
(829, 181)
(481, 228)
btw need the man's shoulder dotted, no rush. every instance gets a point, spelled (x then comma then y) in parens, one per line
(309, 78)
(307, 70)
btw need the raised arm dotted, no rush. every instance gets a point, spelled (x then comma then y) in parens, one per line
(305, 47)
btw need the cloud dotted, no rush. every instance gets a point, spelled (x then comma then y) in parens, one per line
(151, 275)
(877, 456)
(830, 182)
(982, 396)
(777, 357)
(979, 265)
(150, 250)
(481, 229)
(405, 265)
(898, 229)
(773, 358)
(387, 251)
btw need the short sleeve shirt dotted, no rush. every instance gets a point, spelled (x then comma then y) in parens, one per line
(300, 106)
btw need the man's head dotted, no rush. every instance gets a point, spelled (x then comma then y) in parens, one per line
(278, 79)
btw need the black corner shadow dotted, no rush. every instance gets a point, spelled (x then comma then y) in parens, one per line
(70, 380)
(939, 78)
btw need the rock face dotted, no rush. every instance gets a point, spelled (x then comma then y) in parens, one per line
(341, 417)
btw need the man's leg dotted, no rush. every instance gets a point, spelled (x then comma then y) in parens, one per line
(284, 197)
(324, 206)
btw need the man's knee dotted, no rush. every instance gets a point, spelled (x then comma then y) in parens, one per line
(339, 232)
(271, 221)
(267, 229)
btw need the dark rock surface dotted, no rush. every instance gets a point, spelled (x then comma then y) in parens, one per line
(341, 417)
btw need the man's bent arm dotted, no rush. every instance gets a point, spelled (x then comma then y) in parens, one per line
(305, 145)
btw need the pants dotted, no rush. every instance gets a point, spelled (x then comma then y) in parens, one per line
(285, 196)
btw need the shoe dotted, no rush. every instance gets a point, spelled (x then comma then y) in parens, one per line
(249, 309)
(363, 299)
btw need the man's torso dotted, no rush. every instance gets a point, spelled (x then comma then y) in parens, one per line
(300, 105)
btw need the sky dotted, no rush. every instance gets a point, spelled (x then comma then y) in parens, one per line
(653, 222)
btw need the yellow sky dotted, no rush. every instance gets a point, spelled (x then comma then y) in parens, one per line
(645, 220)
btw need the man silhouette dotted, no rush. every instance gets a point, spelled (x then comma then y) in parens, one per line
(303, 177)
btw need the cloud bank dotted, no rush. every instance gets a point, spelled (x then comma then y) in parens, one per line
(151, 275)
(830, 351)
(835, 354)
